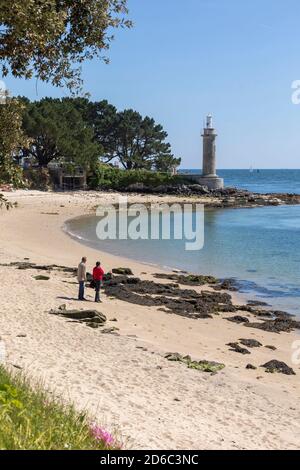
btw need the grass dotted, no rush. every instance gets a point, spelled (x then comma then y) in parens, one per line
(31, 420)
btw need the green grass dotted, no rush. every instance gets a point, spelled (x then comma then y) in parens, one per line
(31, 420)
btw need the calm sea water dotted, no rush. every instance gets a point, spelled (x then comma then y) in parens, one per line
(261, 181)
(259, 247)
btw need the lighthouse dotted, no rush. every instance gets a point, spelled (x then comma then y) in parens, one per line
(209, 177)
(209, 148)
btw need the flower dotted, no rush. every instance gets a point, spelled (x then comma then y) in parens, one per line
(100, 434)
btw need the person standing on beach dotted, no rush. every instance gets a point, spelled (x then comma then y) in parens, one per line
(98, 274)
(81, 276)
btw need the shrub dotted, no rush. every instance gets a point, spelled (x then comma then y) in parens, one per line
(38, 178)
(108, 177)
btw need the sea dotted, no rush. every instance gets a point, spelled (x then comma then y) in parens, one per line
(257, 247)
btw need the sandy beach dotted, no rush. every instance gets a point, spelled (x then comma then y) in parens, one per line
(124, 381)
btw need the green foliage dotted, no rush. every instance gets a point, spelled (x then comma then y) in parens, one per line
(30, 420)
(38, 178)
(108, 177)
(58, 132)
(49, 39)
(11, 139)
(136, 142)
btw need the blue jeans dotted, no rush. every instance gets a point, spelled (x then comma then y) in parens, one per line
(81, 290)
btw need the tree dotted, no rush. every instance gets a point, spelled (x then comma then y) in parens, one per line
(11, 139)
(49, 39)
(136, 142)
(58, 132)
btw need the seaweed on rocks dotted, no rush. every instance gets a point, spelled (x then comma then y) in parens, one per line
(204, 366)
(123, 271)
(250, 343)
(238, 319)
(189, 279)
(237, 348)
(275, 366)
(169, 297)
(276, 326)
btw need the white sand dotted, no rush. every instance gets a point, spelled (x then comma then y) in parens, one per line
(134, 390)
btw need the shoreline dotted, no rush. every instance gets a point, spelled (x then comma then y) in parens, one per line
(125, 380)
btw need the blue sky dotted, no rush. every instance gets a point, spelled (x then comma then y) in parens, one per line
(236, 59)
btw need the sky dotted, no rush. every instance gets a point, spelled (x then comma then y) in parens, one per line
(184, 59)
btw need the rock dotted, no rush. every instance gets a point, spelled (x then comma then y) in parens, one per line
(238, 319)
(174, 357)
(189, 280)
(250, 367)
(272, 348)
(257, 303)
(204, 366)
(113, 319)
(279, 367)
(276, 326)
(227, 284)
(237, 348)
(137, 187)
(123, 271)
(41, 278)
(250, 343)
(91, 318)
(109, 331)
(21, 336)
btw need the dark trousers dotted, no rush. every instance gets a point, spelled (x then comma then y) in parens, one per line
(97, 289)
(81, 290)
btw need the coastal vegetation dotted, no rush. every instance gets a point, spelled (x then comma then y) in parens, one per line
(30, 419)
(115, 148)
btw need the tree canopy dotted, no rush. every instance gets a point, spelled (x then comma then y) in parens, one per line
(49, 39)
(134, 141)
(80, 131)
(58, 132)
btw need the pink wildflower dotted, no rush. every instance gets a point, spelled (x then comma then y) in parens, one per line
(102, 435)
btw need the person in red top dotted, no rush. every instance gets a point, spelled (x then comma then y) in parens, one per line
(98, 274)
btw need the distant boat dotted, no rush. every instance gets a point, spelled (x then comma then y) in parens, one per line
(251, 169)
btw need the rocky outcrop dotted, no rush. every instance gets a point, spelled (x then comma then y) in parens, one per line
(227, 197)
(276, 326)
(168, 297)
(275, 366)
(188, 280)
